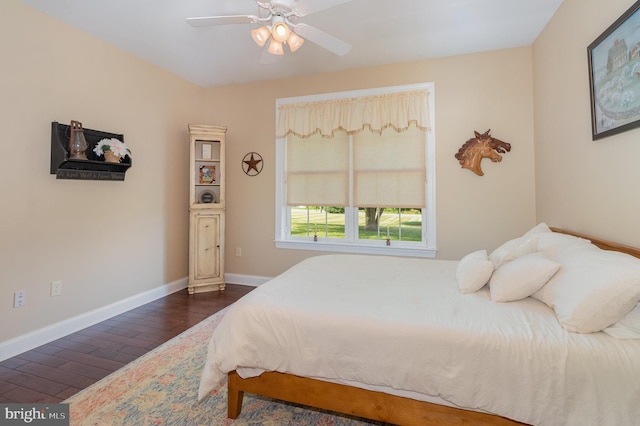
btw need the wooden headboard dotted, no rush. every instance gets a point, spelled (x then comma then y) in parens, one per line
(603, 244)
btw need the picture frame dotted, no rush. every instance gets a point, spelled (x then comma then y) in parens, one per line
(206, 151)
(207, 174)
(614, 76)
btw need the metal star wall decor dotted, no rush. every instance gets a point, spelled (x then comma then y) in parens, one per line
(252, 164)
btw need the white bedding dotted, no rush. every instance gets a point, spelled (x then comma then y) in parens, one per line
(402, 324)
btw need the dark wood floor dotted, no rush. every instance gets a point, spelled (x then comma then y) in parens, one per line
(57, 370)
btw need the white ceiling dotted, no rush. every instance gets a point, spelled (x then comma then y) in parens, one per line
(380, 32)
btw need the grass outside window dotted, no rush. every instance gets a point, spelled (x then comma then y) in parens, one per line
(330, 223)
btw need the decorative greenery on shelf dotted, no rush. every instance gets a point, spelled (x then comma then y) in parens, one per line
(116, 146)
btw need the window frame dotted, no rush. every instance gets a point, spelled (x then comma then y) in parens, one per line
(351, 244)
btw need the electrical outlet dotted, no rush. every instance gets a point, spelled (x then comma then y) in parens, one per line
(56, 288)
(19, 298)
(238, 251)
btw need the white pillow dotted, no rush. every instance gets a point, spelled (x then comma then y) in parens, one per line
(517, 247)
(513, 249)
(593, 289)
(540, 228)
(628, 327)
(521, 277)
(473, 271)
(552, 243)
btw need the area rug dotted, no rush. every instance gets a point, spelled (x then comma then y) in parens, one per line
(160, 388)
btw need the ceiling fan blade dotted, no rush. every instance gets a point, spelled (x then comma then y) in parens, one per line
(323, 39)
(307, 7)
(208, 21)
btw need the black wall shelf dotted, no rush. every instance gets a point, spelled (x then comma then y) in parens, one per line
(94, 167)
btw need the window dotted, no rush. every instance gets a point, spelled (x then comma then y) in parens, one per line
(356, 171)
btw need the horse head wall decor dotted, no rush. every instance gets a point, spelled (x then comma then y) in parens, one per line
(482, 146)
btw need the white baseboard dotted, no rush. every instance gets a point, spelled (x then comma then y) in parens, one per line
(249, 280)
(26, 342)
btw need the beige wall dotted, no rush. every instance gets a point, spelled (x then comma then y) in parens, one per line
(105, 240)
(110, 240)
(473, 92)
(583, 185)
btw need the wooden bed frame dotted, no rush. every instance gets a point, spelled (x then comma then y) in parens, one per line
(603, 244)
(352, 401)
(368, 404)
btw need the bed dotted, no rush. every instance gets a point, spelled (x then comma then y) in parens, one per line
(397, 340)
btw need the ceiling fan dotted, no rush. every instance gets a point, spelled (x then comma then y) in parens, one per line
(280, 23)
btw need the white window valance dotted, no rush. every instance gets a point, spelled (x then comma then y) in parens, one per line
(353, 115)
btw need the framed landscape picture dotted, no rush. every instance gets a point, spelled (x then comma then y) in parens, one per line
(207, 174)
(614, 76)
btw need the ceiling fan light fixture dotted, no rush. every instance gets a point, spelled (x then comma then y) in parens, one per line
(294, 41)
(275, 47)
(280, 30)
(261, 35)
(278, 20)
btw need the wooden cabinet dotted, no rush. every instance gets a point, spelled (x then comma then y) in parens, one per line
(205, 252)
(206, 208)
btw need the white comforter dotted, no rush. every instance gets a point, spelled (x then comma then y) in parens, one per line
(402, 325)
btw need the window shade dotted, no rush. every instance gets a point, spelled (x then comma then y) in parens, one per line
(376, 113)
(318, 170)
(389, 170)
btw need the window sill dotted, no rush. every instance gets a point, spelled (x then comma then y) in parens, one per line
(395, 249)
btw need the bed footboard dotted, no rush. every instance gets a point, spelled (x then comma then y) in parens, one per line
(351, 401)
